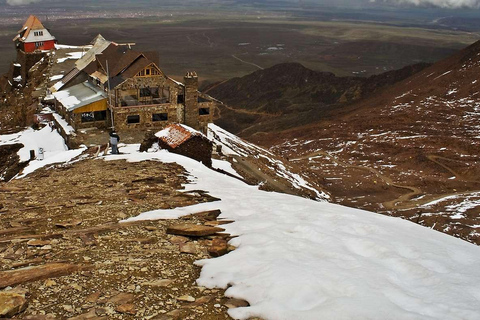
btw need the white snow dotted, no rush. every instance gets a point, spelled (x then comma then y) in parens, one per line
(71, 55)
(49, 140)
(301, 259)
(443, 74)
(225, 166)
(17, 79)
(234, 146)
(56, 77)
(64, 124)
(63, 46)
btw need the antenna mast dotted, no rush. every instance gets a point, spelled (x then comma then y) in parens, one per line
(109, 96)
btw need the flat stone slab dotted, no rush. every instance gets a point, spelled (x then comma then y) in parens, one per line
(218, 248)
(49, 270)
(193, 230)
(11, 303)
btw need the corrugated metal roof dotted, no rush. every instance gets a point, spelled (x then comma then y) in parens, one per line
(99, 46)
(176, 134)
(79, 95)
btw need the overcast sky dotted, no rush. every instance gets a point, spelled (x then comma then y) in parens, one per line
(450, 4)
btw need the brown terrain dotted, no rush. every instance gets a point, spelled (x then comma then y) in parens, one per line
(67, 256)
(408, 150)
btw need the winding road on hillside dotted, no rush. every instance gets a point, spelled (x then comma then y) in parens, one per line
(250, 63)
(404, 201)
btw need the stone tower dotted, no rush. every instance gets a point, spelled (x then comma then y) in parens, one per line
(191, 100)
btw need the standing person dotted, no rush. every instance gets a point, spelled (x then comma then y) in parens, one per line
(114, 140)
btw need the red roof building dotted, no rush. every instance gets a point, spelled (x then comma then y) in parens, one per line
(180, 139)
(34, 36)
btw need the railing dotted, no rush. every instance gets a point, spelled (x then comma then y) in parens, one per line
(132, 101)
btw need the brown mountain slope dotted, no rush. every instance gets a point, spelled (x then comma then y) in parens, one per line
(410, 151)
(289, 95)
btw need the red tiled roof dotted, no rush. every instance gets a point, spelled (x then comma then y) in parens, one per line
(176, 134)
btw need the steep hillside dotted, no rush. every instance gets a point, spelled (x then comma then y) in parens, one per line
(410, 151)
(107, 245)
(289, 95)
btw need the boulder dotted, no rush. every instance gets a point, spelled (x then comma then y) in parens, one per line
(49, 270)
(193, 230)
(218, 248)
(11, 303)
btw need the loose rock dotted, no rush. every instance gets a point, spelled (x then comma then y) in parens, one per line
(193, 230)
(11, 303)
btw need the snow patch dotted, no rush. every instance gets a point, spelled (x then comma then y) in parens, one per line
(301, 259)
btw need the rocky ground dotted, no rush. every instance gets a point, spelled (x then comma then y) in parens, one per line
(64, 254)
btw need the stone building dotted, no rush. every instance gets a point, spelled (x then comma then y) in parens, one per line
(139, 95)
(183, 140)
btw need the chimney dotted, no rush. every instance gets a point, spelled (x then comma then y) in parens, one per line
(191, 100)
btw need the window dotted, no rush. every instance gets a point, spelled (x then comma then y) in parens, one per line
(159, 117)
(180, 98)
(145, 92)
(88, 117)
(100, 115)
(147, 71)
(204, 111)
(133, 119)
(38, 33)
(38, 44)
(94, 116)
(154, 92)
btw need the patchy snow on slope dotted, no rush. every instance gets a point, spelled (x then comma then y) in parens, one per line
(231, 144)
(225, 166)
(234, 146)
(68, 129)
(302, 259)
(71, 55)
(53, 145)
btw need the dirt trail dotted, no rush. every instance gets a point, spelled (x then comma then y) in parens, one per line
(434, 158)
(246, 62)
(393, 204)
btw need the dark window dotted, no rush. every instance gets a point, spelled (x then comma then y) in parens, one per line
(94, 116)
(147, 72)
(203, 111)
(133, 119)
(154, 92)
(100, 115)
(160, 117)
(145, 92)
(38, 44)
(180, 98)
(88, 117)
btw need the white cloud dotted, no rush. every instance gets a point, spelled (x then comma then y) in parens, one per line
(452, 4)
(20, 2)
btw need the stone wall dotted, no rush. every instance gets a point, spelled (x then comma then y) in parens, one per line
(28, 60)
(197, 147)
(183, 104)
(146, 121)
(191, 100)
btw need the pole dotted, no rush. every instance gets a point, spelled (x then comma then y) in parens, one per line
(109, 97)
